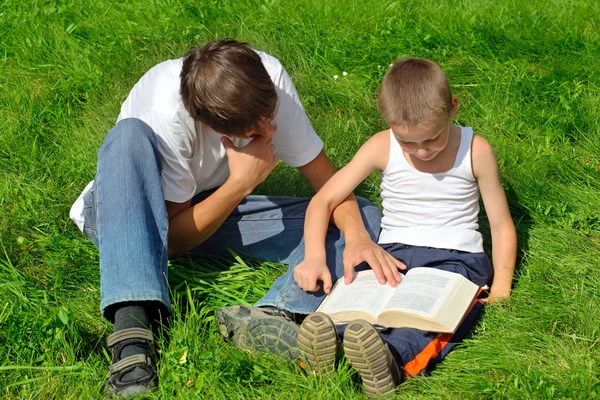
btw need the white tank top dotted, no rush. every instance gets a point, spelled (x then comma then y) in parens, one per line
(432, 210)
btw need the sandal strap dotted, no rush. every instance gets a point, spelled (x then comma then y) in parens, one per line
(131, 361)
(129, 333)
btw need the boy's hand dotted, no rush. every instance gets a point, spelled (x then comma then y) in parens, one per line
(251, 164)
(309, 271)
(500, 289)
(496, 295)
(381, 262)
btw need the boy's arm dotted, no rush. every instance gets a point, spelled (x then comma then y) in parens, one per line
(504, 238)
(346, 216)
(248, 166)
(328, 198)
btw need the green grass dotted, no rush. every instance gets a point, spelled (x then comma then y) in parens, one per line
(527, 78)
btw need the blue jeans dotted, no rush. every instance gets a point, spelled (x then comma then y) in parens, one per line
(126, 218)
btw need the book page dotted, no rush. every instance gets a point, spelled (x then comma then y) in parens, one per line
(422, 291)
(365, 294)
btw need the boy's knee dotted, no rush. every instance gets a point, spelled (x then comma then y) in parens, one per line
(371, 215)
(129, 136)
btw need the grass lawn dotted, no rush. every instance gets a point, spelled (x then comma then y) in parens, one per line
(528, 80)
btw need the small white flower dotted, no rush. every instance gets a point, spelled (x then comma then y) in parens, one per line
(344, 73)
(391, 65)
(335, 77)
(379, 67)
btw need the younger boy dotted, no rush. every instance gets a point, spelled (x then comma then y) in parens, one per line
(432, 173)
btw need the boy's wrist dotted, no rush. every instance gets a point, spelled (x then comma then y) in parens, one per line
(500, 290)
(238, 186)
(315, 257)
(356, 236)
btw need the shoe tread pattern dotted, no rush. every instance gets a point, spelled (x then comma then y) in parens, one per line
(367, 353)
(317, 343)
(273, 335)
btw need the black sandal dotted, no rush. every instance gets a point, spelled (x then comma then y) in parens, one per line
(120, 367)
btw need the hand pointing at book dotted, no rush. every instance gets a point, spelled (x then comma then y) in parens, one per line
(381, 262)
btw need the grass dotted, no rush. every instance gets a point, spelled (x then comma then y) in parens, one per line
(526, 76)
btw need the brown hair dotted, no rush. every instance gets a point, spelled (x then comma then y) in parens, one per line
(225, 86)
(413, 91)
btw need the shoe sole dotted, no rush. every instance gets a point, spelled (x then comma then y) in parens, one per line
(272, 335)
(367, 353)
(250, 329)
(317, 343)
(131, 390)
(135, 390)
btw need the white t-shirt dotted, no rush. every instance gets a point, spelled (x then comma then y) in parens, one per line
(193, 157)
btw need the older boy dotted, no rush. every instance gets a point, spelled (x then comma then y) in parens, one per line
(194, 138)
(432, 174)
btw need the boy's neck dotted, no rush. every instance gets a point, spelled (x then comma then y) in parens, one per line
(445, 160)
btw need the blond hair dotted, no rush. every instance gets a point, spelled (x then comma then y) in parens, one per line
(413, 92)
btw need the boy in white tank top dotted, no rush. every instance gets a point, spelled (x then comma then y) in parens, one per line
(432, 172)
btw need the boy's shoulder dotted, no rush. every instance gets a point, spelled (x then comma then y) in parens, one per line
(480, 146)
(482, 156)
(381, 138)
(375, 151)
(382, 135)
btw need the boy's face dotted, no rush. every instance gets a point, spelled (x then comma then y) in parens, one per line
(266, 128)
(427, 141)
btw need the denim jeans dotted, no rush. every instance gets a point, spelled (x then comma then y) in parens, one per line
(126, 218)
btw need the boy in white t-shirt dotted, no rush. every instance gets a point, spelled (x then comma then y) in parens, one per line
(195, 136)
(431, 174)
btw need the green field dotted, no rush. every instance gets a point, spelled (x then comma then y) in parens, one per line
(527, 76)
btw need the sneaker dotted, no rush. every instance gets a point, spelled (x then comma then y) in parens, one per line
(318, 343)
(134, 374)
(265, 329)
(369, 355)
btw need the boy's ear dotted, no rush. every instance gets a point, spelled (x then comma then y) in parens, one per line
(453, 107)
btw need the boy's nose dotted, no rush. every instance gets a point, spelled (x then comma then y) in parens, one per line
(270, 129)
(267, 130)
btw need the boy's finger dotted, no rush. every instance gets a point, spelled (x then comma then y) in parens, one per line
(388, 269)
(377, 268)
(393, 266)
(400, 264)
(227, 143)
(309, 284)
(326, 279)
(348, 272)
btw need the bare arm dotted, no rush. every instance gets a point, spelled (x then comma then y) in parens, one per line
(347, 215)
(504, 237)
(335, 197)
(190, 226)
(248, 166)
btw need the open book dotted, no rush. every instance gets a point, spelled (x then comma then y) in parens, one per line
(428, 299)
